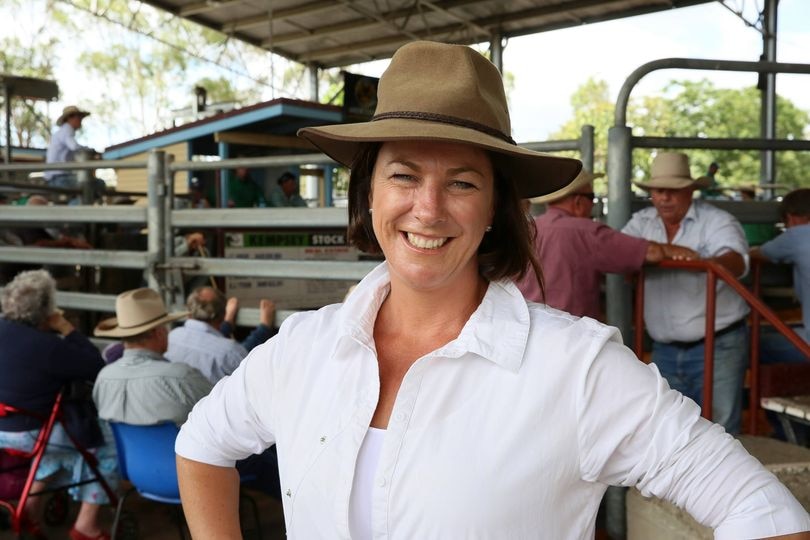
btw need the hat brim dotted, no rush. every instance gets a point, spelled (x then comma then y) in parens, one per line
(61, 120)
(674, 182)
(109, 327)
(583, 179)
(534, 173)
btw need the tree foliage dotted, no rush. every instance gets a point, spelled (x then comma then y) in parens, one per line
(30, 123)
(695, 109)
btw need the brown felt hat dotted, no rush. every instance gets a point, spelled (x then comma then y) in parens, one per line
(67, 112)
(670, 170)
(448, 93)
(136, 312)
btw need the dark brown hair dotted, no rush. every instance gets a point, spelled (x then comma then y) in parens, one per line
(796, 203)
(506, 252)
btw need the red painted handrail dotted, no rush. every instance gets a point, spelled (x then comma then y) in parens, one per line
(759, 311)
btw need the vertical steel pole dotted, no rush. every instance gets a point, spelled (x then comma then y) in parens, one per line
(171, 287)
(85, 179)
(768, 129)
(496, 50)
(312, 75)
(618, 291)
(708, 344)
(155, 218)
(619, 173)
(224, 175)
(328, 185)
(586, 147)
(753, 401)
(7, 116)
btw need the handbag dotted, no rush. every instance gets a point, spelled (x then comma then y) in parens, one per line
(80, 416)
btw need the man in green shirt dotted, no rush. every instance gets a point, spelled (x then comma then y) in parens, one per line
(243, 191)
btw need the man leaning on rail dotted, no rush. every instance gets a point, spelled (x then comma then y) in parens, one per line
(675, 300)
(575, 251)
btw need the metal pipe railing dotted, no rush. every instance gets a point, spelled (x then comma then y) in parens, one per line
(162, 220)
(716, 271)
(623, 99)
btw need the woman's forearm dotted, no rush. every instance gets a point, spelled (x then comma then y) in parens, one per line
(210, 497)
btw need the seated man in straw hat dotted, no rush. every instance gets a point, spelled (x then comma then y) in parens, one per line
(675, 300)
(576, 251)
(143, 388)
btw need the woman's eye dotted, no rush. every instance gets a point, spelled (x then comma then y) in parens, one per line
(461, 184)
(403, 177)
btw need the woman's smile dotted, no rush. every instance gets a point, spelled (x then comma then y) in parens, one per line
(425, 242)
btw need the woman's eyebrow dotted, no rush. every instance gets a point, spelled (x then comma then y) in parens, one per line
(461, 170)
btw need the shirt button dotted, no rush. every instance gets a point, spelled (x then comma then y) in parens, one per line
(400, 417)
(381, 483)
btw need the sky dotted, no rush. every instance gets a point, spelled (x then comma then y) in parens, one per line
(549, 67)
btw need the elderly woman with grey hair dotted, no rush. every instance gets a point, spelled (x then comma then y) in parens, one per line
(41, 352)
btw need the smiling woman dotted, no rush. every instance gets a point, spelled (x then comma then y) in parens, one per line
(435, 402)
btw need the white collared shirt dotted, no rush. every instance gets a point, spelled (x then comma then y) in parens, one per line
(62, 148)
(512, 430)
(675, 300)
(202, 346)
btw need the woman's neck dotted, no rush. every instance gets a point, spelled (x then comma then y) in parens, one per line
(432, 314)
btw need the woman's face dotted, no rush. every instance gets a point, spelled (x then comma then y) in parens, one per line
(431, 203)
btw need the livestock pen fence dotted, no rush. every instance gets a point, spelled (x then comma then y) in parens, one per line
(164, 269)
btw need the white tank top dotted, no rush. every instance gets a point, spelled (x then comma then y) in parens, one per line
(363, 484)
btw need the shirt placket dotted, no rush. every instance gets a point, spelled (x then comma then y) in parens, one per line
(394, 437)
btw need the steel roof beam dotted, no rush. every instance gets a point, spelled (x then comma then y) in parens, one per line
(203, 7)
(359, 24)
(279, 15)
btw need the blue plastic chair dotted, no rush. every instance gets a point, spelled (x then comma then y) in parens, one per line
(146, 458)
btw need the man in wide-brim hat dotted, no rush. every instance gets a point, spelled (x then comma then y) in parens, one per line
(64, 147)
(575, 251)
(142, 387)
(675, 300)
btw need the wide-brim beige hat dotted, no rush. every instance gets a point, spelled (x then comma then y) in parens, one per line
(448, 93)
(69, 111)
(583, 179)
(670, 170)
(136, 312)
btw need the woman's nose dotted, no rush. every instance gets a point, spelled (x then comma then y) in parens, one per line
(429, 205)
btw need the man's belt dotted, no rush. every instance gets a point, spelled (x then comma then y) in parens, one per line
(727, 330)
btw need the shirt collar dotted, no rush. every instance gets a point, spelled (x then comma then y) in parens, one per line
(498, 330)
(137, 356)
(201, 326)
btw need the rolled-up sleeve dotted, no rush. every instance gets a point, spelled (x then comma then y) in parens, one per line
(654, 438)
(236, 419)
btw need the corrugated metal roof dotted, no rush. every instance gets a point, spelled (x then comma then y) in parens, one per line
(332, 33)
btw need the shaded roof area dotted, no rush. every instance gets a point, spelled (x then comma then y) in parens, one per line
(331, 33)
(280, 118)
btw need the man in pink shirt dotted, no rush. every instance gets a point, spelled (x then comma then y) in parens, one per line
(574, 251)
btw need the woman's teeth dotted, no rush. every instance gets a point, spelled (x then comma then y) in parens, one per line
(425, 243)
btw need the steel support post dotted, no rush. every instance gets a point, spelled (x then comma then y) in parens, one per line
(86, 178)
(7, 117)
(618, 294)
(767, 173)
(586, 147)
(312, 76)
(496, 50)
(328, 185)
(619, 175)
(172, 288)
(224, 175)
(155, 218)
